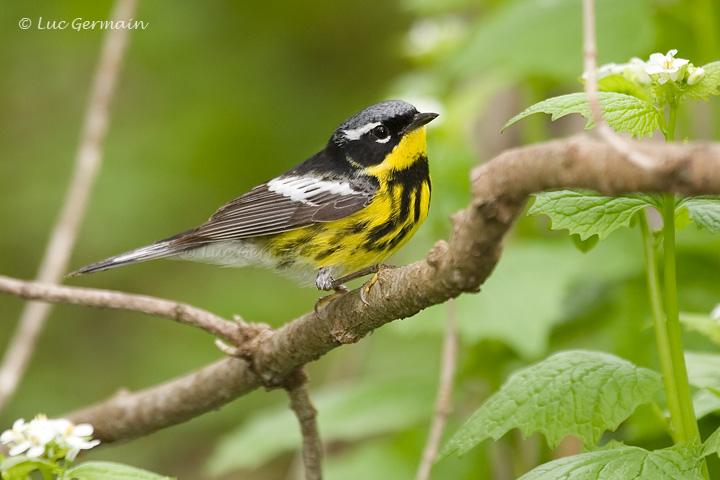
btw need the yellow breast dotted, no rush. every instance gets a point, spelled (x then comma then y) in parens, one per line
(373, 234)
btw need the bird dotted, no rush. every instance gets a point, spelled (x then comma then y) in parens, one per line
(332, 218)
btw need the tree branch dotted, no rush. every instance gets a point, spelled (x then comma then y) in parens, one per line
(306, 414)
(591, 89)
(500, 189)
(91, 297)
(443, 402)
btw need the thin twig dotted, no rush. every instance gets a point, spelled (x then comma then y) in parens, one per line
(306, 414)
(443, 402)
(87, 163)
(92, 297)
(591, 89)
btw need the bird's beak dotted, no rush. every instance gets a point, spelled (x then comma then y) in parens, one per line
(418, 121)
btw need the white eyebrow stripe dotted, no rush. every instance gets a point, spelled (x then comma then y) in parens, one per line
(303, 189)
(356, 133)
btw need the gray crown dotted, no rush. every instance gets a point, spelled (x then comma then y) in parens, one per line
(379, 112)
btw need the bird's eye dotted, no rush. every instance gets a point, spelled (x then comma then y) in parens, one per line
(381, 132)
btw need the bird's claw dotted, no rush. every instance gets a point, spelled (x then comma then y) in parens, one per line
(340, 290)
(368, 285)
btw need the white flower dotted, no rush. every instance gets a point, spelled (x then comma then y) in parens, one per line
(695, 74)
(715, 314)
(634, 71)
(665, 67)
(74, 437)
(16, 437)
(30, 438)
(43, 436)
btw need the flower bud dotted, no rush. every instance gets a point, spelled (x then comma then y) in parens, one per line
(695, 75)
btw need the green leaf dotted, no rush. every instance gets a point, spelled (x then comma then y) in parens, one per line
(347, 413)
(620, 84)
(679, 462)
(18, 467)
(712, 444)
(588, 213)
(111, 471)
(682, 218)
(578, 393)
(704, 211)
(708, 85)
(584, 245)
(624, 113)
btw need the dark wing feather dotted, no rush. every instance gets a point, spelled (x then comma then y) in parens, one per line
(264, 212)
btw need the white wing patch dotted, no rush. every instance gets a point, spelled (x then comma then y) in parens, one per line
(303, 189)
(356, 133)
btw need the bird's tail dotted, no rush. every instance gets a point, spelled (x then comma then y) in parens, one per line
(161, 249)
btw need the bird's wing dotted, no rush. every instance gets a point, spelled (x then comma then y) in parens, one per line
(284, 203)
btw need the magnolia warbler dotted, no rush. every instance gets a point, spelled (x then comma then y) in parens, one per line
(332, 218)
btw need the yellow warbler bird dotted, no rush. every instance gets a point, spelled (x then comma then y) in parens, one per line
(334, 217)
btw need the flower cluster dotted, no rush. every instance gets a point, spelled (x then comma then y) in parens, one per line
(51, 438)
(658, 69)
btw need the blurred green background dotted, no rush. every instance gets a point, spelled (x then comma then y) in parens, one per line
(215, 97)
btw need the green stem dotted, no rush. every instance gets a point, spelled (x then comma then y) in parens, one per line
(688, 428)
(661, 336)
(672, 115)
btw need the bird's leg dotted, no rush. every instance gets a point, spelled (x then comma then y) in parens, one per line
(324, 281)
(360, 273)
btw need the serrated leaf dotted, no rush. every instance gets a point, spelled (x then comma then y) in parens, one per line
(708, 85)
(704, 211)
(588, 213)
(624, 113)
(348, 413)
(679, 462)
(111, 471)
(578, 393)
